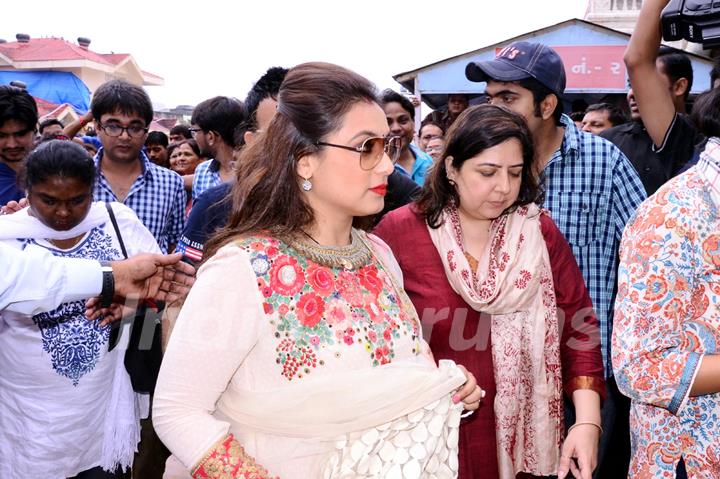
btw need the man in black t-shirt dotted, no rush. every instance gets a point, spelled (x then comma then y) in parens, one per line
(655, 165)
(661, 140)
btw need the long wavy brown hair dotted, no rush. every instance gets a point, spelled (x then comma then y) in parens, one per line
(474, 131)
(266, 198)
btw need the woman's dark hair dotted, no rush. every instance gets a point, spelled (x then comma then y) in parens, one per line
(706, 113)
(193, 144)
(58, 158)
(390, 96)
(475, 130)
(312, 103)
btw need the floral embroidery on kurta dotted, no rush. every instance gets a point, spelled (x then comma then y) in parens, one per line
(314, 308)
(667, 316)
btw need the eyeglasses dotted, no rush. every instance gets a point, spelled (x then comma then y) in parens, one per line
(372, 150)
(113, 130)
(193, 131)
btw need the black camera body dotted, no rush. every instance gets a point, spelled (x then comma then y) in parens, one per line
(696, 21)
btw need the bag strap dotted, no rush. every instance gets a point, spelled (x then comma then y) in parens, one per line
(117, 230)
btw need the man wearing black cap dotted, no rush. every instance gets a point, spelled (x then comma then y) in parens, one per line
(591, 187)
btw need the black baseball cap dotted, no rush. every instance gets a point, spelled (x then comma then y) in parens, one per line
(521, 60)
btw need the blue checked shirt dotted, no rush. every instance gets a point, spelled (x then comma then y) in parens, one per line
(207, 175)
(157, 197)
(591, 190)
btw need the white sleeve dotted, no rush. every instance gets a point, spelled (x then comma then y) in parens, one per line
(219, 324)
(34, 280)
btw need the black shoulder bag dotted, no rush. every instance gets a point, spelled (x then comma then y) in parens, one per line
(144, 353)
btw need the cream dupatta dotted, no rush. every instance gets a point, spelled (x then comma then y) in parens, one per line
(517, 291)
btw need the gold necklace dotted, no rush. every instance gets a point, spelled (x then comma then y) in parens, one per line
(350, 257)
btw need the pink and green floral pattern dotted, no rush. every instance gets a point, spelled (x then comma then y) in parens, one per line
(667, 317)
(315, 310)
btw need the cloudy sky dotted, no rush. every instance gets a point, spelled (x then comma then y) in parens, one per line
(204, 48)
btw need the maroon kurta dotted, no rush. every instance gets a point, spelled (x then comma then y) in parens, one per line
(455, 331)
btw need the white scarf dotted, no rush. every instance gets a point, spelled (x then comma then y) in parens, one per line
(23, 225)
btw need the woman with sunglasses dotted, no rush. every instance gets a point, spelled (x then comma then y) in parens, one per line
(67, 406)
(498, 289)
(297, 353)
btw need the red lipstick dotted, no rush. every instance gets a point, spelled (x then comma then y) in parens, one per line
(380, 189)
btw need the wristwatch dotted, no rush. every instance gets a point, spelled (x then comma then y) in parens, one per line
(108, 284)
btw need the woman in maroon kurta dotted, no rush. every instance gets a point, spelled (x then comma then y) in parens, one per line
(476, 155)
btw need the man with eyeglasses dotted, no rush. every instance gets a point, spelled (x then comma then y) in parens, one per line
(592, 191)
(18, 117)
(211, 209)
(122, 113)
(213, 125)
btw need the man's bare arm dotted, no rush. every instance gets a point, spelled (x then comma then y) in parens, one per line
(650, 88)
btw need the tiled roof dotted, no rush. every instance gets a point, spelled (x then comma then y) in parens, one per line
(51, 49)
(59, 49)
(115, 58)
(48, 109)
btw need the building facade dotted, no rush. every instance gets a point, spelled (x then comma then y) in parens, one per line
(616, 14)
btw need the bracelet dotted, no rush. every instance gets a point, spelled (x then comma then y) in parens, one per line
(582, 423)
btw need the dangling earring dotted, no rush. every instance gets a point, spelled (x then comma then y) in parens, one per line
(306, 185)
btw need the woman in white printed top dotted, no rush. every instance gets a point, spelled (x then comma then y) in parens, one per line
(67, 407)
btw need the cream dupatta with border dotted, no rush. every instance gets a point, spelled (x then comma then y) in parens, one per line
(517, 291)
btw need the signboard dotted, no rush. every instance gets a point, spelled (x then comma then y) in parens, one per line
(596, 67)
(593, 67)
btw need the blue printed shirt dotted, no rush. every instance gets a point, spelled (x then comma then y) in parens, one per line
(422, 163)
(591, 190)
(157, 197)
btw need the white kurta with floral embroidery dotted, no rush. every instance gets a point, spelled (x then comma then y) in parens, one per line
(261, 317)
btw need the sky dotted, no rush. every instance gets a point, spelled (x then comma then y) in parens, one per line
(204, 48)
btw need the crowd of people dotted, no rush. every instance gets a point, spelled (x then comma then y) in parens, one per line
(507, 292)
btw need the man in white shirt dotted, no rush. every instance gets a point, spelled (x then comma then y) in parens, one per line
(35, 281)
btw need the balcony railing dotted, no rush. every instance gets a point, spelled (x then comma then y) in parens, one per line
(625, 5)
